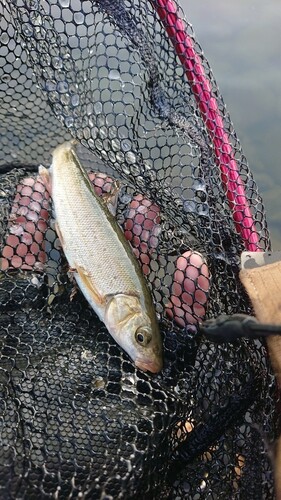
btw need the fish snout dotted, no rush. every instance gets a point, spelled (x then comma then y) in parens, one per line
(153, 366)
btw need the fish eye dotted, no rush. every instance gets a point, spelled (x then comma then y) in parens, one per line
(143, 336)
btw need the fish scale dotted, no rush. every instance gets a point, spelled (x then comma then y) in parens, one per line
(102, 261)
(94, 236)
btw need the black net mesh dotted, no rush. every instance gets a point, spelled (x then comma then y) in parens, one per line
(78, 420)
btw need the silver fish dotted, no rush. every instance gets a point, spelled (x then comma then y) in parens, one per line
(102, 261)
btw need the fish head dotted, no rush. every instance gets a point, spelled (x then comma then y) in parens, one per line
(135, 331)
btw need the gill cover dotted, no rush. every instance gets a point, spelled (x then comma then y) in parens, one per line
(120, 310)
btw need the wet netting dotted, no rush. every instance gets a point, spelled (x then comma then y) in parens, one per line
(128, 80)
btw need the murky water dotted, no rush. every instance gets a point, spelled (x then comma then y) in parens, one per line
(242, 41)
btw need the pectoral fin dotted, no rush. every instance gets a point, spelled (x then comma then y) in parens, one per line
(45, 177)
(59, 234)
(89, 285)
(111, 198)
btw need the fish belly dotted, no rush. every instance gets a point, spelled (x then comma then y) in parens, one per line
(90, 241)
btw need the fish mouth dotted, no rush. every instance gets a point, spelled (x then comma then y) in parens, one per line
(149, 366)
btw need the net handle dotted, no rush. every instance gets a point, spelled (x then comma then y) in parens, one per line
(201, 86)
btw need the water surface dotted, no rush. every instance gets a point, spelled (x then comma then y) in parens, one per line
(242, 42)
